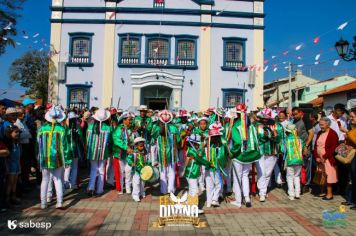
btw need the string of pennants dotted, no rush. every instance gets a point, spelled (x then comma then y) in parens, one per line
(274, 63)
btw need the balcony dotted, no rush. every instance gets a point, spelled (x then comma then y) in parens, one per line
(186, 62)
(129, 61)
(157, 61)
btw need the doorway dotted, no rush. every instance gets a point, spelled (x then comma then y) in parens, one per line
(156, 97)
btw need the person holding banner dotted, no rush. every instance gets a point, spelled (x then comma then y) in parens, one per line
(122, 143)
(216, 155)
(244, 152)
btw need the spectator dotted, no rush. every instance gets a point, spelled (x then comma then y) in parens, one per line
(24, 140)
(324, 151)
(299, 123)
(2, 114)
(283, 118)
(9, 119)
(4, 152)
(351, 140)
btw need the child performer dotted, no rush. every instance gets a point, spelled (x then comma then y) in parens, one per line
(216, 154)
(138, 160)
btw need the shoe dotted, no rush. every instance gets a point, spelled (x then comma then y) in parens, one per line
(346, 203)
(291, 198)
(120, 193)
(235, 203)
(327, 199)
(49, 199)
(136, 198)
(208, 205)
(200, 211)
(353, 207)
(262, 198)
(43, 206)
(128, 192)
(91, 193)
(248, 204)
(59, 205)
(297, 197)
(215, 203)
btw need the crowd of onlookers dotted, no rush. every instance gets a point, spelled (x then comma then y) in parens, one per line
(327, 141)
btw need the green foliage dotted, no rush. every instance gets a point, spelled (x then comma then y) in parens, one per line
(32, 71)
(9, 12)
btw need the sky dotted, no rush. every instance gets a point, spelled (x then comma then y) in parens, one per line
(289, 24)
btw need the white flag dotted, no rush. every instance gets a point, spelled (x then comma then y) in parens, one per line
(275, 69)
(336, 62)
(317, 57)
(342, 26)
(266, 68)
(299, 47)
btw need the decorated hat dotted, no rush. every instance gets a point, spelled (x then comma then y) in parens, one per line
(72, 115)
(120, 110)
(102, 115)
(266, 113)
(241, 108)
(11, 110)
(183, 113)
(28, 101)
(48, 106)
(220, 112)
(165, 116)
(143, 108)
(215, 129)
(86, 115)
(194, 138)
(125, 115)
(203, 118)
(113, 110)
(290, 128)
(56, 114)
(139, 140)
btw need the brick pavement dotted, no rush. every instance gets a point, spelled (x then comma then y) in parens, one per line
(113, 214)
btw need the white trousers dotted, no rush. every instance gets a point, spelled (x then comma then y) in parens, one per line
(70, 174)
(193, 187)
(97, 170)
(293, 180)
(201, 179)
(110, 171)
(153, 156)
(138, 186)
(265, 167)
(213, 186)
(58, 183)
(228, 177)
(277, 174)
(167, 179)
(125, 171)
(241, 172)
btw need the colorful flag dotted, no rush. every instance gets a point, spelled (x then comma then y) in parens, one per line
(316, 39)
(342, 26)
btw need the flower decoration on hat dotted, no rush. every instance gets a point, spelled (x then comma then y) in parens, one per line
(215, 129)
(165, 116)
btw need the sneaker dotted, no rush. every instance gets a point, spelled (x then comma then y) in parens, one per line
(200, 211)
(248, 204)
(235, 203)
(136, 198)
(291, 198)
(202, 189)
(59, 205)
(43, 206)
(128, 192)
(120, 193)
(262, 198)
(297, 197)
(208, 205)
(215, 203)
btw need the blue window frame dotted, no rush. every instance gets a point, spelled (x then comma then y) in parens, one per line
(234, 54)
(80, 49)
(78, 95)
(232, 97)
(158, 49)
(130, 49)
(158, 3)
(186, 50)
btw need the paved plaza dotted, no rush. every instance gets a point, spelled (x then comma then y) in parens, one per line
(113, 214)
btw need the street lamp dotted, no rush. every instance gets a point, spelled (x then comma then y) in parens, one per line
(342, 48)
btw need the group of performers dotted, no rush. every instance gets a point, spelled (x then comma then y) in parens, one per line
(211, 149)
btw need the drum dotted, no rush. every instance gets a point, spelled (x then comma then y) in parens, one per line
(149, 174)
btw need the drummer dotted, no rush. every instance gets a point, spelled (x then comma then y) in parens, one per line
(137, 161)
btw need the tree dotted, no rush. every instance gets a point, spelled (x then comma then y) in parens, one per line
(9, 10)
(32, 71)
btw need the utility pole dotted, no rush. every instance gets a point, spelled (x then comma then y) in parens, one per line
(289, 87)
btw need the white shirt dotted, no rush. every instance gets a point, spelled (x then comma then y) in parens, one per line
(335, 126)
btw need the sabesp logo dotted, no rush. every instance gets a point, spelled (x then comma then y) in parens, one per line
(12, 224)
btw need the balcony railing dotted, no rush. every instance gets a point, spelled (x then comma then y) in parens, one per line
(129, 61)
(185, 62)
(234, 64)
(157, 61)
(80, 60)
